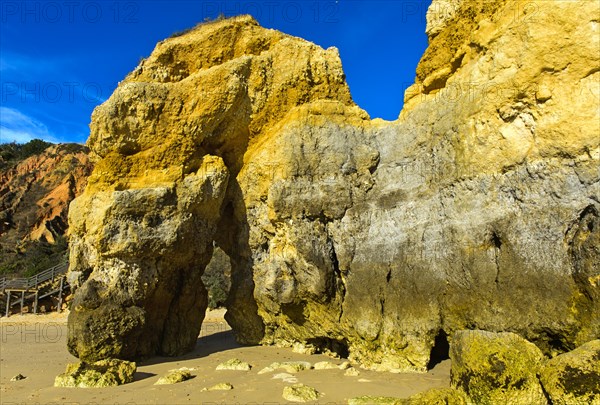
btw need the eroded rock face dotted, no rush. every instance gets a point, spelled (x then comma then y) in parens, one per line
(143, 231)
(574, 377)
(137, 256)
(376, 237)
(475, 210)
(439, 13)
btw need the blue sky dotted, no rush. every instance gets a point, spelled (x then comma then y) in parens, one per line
(60, 59)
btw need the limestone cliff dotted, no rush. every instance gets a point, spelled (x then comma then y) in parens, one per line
(35, 194)
(477, 209)
(171, 141)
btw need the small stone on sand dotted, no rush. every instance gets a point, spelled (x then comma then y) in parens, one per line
(288, 366)
(301, 348)
(326, 365)
(288, 378)
(352, 372)
(300, 393)
(345, 365)
(235, 365)
(218, 387)
(174, 377)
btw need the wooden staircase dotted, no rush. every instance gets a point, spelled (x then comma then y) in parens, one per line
(28, 291)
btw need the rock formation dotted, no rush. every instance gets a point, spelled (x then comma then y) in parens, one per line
(574, 377)
(477, 209)
(35, 195)
(143, 231)
(497, 368)
(141, 252)
(103, 373)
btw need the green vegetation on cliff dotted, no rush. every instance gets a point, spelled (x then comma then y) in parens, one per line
(33, 257)
(13, 153)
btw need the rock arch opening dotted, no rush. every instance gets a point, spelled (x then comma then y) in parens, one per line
(217, 278)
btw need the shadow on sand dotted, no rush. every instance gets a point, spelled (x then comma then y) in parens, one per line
(139, 376)
(214, 338)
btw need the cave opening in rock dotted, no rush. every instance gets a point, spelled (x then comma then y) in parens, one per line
(217, 278)
(440, 350)
(327, 344)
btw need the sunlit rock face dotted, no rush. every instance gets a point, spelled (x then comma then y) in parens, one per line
(141, 253)
(170, 144)
(477, 209)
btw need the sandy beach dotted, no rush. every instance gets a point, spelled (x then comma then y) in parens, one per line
(35, 346)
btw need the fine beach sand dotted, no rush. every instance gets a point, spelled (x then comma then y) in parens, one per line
(35, 346)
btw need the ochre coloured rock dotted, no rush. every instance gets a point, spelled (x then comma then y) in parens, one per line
(142, 232)
(496, 368)
(438, 15)
(224, 386)
(345, 365)
(103, 373)
(300, 393)
(477, 209)
(351, 372)
(285, 377)
(288, 366)
(235, 365)
(574, 377)
(325, 365)
(174, 377)
(137, 256)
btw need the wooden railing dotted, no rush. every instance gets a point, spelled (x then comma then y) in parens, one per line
(34, 282)
(30, 290)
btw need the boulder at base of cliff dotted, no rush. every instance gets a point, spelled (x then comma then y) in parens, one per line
(496, 368)
(574, 377)
(103, 373)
